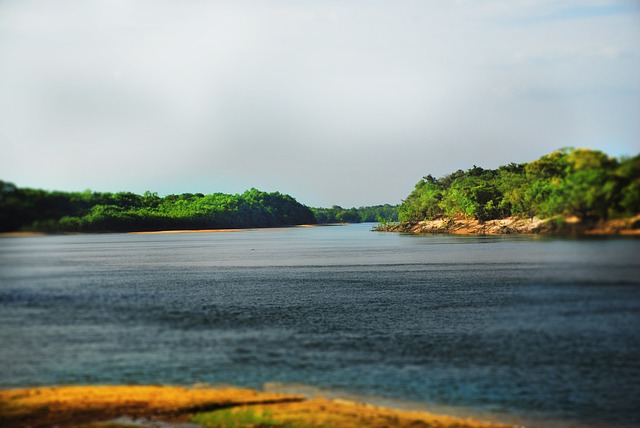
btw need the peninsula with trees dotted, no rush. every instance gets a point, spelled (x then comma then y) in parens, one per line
(570, 191)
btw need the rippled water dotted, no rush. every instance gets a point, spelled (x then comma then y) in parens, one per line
(538, 327)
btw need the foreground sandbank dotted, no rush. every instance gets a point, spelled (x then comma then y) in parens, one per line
(117, 406)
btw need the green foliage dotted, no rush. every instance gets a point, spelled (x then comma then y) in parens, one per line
(423, 202)
(384, 223)
(28, 209)
(337, 214)
(238, 418)
(581, 182)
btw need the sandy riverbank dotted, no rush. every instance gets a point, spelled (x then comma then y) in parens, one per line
(20, 234)
(170, 232)
(161, 232)
(164, 232)
(118, 406)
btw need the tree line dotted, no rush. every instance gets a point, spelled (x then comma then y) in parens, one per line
(568, 182)
(39, 210)
(24, 209)
(337, 214)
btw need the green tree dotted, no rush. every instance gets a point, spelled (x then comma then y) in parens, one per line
(424, 202)
(581, 182)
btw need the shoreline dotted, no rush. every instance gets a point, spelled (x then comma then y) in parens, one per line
(118, 405)
(20, 234)
(510, 419)
(570, 226)
(249, 229)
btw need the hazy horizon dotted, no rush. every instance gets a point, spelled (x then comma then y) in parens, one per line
(332, 103)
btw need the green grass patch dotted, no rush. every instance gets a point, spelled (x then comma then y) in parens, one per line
(237, 418)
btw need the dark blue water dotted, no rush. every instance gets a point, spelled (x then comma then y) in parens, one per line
(538, 327)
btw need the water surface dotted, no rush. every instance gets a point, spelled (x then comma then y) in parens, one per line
(538, 327)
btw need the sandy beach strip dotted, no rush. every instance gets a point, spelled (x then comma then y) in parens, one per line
(159, 232)
(20, 234)
(170, 232)
(249, 229)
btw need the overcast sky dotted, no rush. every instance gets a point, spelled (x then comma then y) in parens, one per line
(333, 102)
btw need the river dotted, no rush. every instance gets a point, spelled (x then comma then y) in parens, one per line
(540, 330)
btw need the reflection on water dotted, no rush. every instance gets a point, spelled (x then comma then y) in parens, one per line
(531, 326)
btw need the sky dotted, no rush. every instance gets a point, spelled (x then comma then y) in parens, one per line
(334, 102)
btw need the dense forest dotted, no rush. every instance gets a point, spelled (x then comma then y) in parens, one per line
(569, 182)
(23, 209)
(39, 210)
